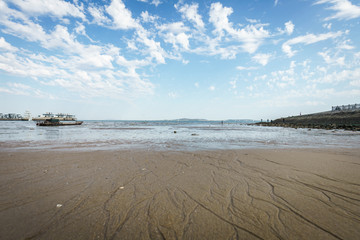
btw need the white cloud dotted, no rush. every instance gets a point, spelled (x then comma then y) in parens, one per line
(153, 48)
(327, 25)
(355, 82)
(131, 45)
(233, 84)
(27, 67)
(185, 62)
(100, 69)
(5, 46)
(146, 17)
(89, 70)
(219, 18)
(172, 94)
(252, 20)
(292, 64)
(27, 30)
(344, 9)
(98, 14)
(276, 2)
(261, 58)
(245, 68)
(289, 27)
(345, 45)
(307, 39)
(122, 17)
(212, 47)
(57, 8)
(17, 24)
(174, 33)
(153, 2)
(250, 88)
(190, 12)
(350, 76)
(80, 29)
(25, 90)
(175, 27)
(283, 78)
(123, 20)
(183, 40)
(156, 2)
(251, 36)
(332, 60)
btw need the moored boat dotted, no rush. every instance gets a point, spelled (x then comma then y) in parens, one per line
(59, 116)
(56, 122)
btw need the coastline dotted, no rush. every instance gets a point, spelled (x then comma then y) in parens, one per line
(336, 119)
(217, 194)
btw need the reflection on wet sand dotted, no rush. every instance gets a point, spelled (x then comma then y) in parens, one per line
(245, 194)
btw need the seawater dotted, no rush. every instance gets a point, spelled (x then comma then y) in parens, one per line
(167, 135)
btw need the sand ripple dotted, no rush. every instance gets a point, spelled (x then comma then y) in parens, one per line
(247, 194)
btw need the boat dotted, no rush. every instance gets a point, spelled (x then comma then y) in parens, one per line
(59, 116)
(51, 122)
(60, 119)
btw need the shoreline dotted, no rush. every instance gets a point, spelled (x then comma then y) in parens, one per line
(211, 194)
(337, 119)
(354, 128)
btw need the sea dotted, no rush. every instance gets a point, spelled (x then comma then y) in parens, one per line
(167, 135)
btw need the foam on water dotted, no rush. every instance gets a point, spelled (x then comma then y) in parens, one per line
(160, 135)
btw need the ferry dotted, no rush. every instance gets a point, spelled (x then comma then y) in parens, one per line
(55, 122)
(60, 119)
(59, 116)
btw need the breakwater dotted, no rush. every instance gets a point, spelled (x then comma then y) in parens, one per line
(348, 120)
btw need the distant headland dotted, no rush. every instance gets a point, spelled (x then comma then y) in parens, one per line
(340, 117)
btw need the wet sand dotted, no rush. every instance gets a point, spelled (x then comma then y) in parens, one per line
(242, 194)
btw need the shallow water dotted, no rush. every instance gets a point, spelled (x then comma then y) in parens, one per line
(168, 135)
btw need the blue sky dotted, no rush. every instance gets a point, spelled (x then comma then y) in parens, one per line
(162, 59)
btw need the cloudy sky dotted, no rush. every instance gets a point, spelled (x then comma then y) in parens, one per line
(164, 59)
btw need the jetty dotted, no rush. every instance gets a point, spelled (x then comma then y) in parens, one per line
(339, 117)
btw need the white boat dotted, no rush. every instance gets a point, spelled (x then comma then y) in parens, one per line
(59, 116)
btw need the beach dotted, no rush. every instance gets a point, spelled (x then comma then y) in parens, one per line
(212, 194)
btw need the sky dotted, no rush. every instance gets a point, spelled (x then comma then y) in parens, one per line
(163, 59)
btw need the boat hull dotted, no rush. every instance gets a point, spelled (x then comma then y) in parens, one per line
(39, 119)
(55, 124)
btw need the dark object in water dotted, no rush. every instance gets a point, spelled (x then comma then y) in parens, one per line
(56, 122)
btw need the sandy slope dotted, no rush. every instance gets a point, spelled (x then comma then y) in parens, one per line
(246, 194)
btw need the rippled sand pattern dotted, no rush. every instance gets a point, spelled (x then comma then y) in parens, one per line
(247, 194)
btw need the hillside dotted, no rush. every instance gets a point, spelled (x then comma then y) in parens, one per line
(349, 120)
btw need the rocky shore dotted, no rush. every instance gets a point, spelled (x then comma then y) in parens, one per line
(348, 120)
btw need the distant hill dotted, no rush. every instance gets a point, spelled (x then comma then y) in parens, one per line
(190, 120)
(225, 121)
(241, 121)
